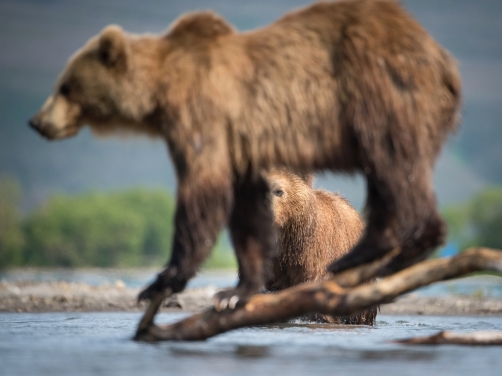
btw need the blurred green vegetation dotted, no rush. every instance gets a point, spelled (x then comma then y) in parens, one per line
(477, 222)
(117, 229)
(11, 236)
(134, 228)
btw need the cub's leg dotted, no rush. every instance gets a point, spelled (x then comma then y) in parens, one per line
(252, 233)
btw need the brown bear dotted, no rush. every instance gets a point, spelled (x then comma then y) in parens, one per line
(313, 228)
(350, 85)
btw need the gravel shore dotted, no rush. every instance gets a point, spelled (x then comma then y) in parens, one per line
(30, 296)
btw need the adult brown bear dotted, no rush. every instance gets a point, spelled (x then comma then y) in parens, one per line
(313, 228)
(352, 86)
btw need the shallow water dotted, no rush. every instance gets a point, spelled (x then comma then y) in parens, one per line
(479, 286)
(100, 344)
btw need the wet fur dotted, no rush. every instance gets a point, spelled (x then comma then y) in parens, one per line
(313, 228)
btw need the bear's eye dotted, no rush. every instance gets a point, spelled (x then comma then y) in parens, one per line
(64, 90)
(278, 192)
(104, 56)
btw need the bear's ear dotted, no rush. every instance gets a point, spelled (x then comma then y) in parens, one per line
(112, 46)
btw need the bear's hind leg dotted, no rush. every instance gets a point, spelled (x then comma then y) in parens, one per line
(381, 233)
(402, 213)
(251, 230)
(425, 232)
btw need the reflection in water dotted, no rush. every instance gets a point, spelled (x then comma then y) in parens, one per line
(252, 351)
(405, 354)
(188, 352)
(308, 324)
(243, 351)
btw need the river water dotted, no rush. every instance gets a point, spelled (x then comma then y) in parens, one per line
(100, 344)
(53, 344)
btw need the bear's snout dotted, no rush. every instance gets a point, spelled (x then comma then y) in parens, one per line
(34, 122)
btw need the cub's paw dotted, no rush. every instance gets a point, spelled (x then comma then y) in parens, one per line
(230, 298)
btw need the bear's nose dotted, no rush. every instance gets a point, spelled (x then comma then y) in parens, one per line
(34, 123)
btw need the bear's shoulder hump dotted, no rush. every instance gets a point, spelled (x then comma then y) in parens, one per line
(199, 25)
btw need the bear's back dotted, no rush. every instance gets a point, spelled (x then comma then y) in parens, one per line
(338, 218)
(337, 228)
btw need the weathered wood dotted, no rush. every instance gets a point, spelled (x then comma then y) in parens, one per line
(320, 297)
(152, 309)
(450, 338)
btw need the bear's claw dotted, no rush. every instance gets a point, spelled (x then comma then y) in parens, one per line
(229, 299)
(233, 302)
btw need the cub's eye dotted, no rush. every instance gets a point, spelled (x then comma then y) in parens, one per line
(64, 90)
(278, 192)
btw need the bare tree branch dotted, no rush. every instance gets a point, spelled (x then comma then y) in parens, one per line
(319, 297)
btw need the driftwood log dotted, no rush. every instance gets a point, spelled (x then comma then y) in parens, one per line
(327, 297)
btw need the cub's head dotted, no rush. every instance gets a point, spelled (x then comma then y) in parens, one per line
(291, 194)
(101, 86)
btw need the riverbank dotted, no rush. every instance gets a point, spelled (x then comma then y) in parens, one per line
(52, 296)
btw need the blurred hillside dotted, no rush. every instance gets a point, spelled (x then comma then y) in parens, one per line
(37, 37)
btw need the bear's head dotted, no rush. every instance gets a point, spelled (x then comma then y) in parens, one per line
(103, 85)
(291, 194)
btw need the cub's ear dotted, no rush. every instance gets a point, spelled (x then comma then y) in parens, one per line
(308, 178)
(112, 47)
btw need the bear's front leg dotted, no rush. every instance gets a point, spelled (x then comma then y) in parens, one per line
(202, 209)
(252, 232)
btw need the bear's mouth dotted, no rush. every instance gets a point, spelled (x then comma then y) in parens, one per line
(56, 134)
(63, 133)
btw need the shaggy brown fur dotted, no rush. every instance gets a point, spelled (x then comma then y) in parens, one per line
(313, 229)
(353, 85)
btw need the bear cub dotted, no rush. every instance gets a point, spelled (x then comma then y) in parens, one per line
(313, 228)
